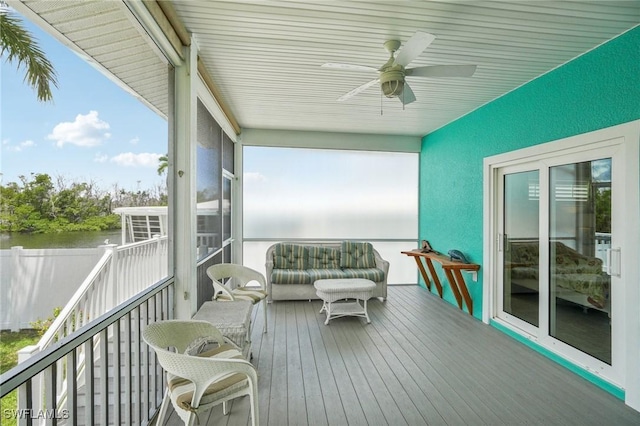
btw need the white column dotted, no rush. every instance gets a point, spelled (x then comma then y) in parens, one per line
(184, 183)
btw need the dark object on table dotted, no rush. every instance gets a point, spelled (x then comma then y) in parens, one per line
(457, 256)
(426, 247)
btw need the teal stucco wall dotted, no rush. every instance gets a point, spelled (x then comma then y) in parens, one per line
(596, 90)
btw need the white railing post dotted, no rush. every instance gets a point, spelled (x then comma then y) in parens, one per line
(36, 383)
(17, 279)
(112, 279)
(158, 258)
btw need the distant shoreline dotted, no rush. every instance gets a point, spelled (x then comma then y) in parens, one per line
(75, 239)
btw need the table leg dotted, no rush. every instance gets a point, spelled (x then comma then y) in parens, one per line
(425, 277)
(328, 309)
(464, 290)
(454, 286)
(436, 280)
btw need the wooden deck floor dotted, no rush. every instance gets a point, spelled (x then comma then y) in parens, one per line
(421, 361)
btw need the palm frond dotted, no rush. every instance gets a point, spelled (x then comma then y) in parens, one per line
(19, 45)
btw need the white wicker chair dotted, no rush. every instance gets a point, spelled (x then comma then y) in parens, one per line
(198, 383)
(236, 287)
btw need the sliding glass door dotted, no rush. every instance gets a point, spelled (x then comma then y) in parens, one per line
(557, 267)
(521, 269)
(579, 241)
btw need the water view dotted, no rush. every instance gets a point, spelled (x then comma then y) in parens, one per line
(85, 239)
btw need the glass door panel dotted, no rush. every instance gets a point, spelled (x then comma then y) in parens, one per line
(521, 266)
(579, 231)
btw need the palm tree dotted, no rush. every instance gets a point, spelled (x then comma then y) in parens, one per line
(163, 164)
(23, 48)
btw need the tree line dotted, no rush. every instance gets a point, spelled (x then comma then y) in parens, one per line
(40, 204)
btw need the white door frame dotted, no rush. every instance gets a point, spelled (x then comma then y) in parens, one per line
(627, 138)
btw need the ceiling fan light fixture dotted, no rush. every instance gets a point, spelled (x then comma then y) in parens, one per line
(393, 88)
(392, 83)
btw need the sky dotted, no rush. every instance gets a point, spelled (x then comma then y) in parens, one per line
(93, 131)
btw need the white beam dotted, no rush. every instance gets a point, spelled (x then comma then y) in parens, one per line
(330, 140)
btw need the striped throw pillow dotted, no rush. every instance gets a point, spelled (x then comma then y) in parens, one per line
(355, 254)
(290, 256)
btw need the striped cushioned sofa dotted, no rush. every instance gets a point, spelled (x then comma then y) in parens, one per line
(292, 268)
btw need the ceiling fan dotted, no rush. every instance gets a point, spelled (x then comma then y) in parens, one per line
(393, 72)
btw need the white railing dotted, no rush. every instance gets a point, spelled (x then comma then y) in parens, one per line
(121, 382)
(121, 273)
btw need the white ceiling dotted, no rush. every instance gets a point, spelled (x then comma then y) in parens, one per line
(266, 57)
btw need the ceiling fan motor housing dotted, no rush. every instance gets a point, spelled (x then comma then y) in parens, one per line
(392, 83)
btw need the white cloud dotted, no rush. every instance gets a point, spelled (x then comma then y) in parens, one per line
(134, 141)
(19, 147)
(251, 177)
(86, 130)
(144, 159)
(101, 158)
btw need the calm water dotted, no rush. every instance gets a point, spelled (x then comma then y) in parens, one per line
(59, 240)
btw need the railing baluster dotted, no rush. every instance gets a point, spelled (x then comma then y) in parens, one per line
(49, 395)
(146, 371)
(117, 381)
(72, 387)
(138, 364)
(104, 376)
(128, 370)
(89, 392)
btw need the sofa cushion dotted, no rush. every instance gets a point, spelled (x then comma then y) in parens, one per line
(290, 276)
(323, 257)
(324, 274)
(373, 274)
(290, 256)
(356, 254)
(570, 261)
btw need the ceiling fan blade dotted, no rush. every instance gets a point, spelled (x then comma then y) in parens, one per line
(413, 47)
(348, 67)
(407, 96)
(358, 90)
(442, 71)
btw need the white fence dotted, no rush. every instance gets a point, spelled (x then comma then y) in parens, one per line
(34, 282)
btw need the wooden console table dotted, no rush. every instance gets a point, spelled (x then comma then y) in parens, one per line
(452, 269)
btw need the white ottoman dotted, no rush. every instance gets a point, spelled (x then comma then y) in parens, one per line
(332, 290)
(232, 318)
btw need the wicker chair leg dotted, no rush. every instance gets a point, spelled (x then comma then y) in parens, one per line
(264, 308)
(166, 400)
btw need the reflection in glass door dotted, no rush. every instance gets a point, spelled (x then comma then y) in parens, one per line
(579, 237)
(521, 266)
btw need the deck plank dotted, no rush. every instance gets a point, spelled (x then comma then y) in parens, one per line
(315, 413)
(421, 361)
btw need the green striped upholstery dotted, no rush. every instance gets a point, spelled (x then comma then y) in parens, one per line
(322, 274)
(290, 256)
(323, 257)
(252, 294)
(373, 274)
(290, 276)
(182, 389)
(356, 254)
